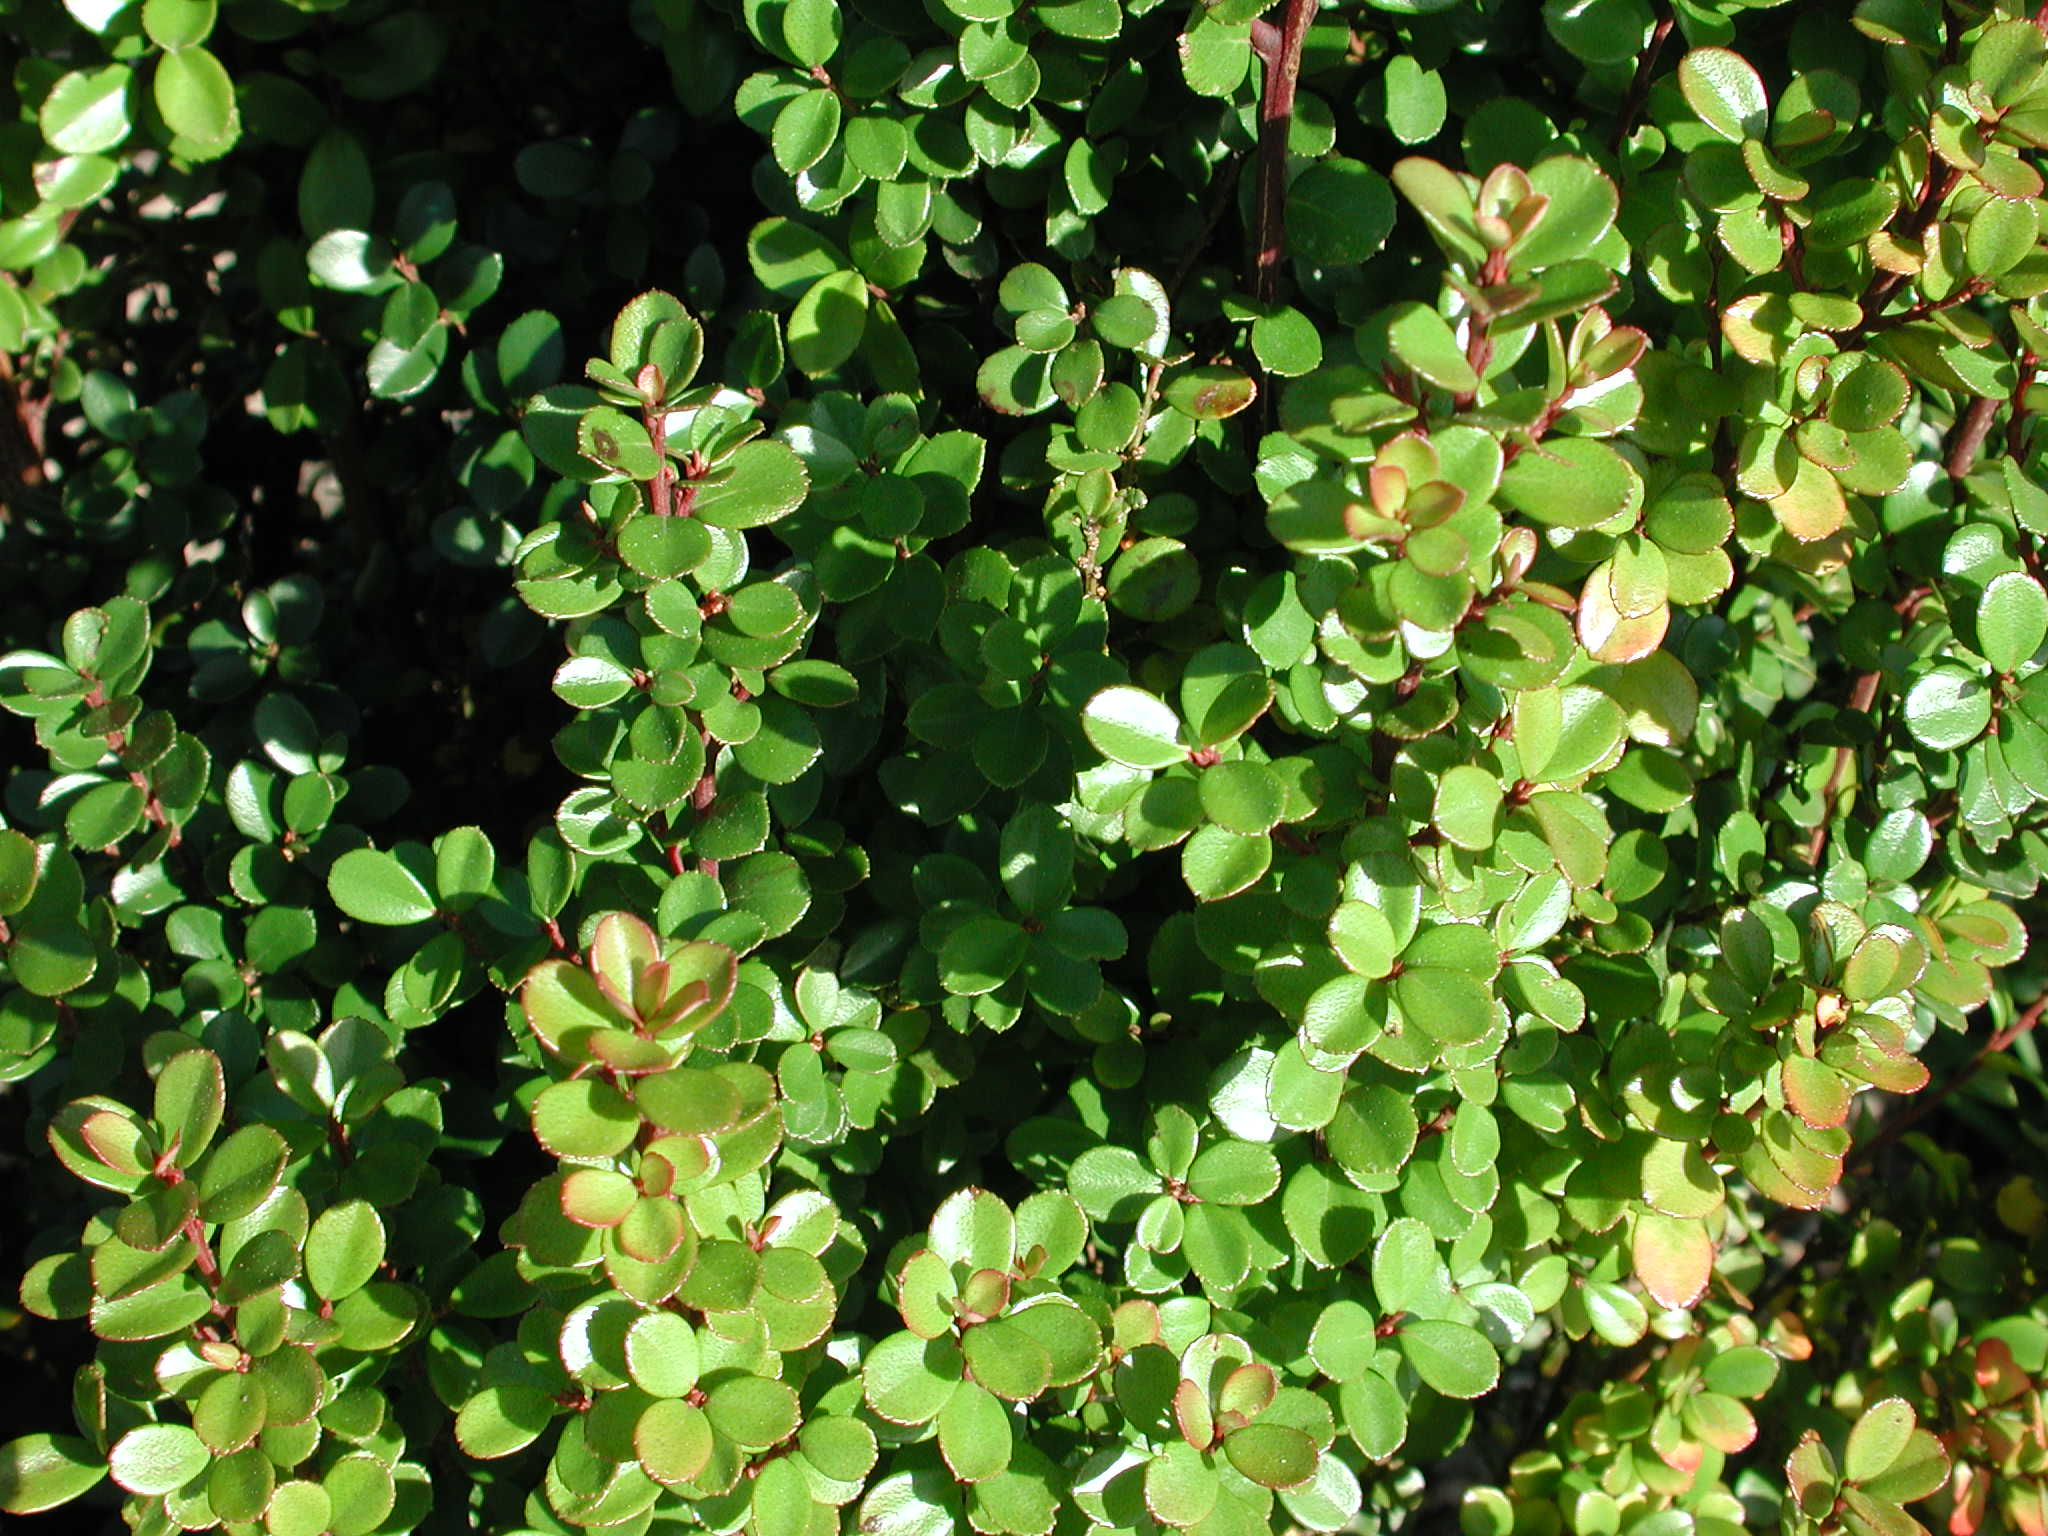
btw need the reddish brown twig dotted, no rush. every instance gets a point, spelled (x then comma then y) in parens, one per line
(1276, 113)
(1933, 193)
(1966, 438)
(1927, 1103)
(2016, 407)
(1639, 87)
(22, 422)
(1861, 696)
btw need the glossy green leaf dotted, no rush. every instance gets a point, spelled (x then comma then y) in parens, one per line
(374, 887)
(39, 1472)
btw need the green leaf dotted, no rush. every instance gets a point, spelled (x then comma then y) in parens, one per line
(197, 99)
(1069, 1336)
(344, 1249)
(981, 954)
(190, 1096)
(974, 1228)
(759, 483)
(1445, 201)
(829, 320)
(1416, 104)
(785, 744)
(154, 1312)
(805, 129)
(1180, 1486)
(157, 1458)
(501, 1420)
(230, 1412)
(1999, 235)
(2012, 620)
(1423, 340)
(689, 1100)
(1217, 1245)
(1747, 1370)
(362, 1492)
(1018, 381)
(1037, 860)
(618, 442)
(1234, 1173)
(1468, 804)
(1446, 1005)
(178, 23)
(673, 1441)
(915, 1503)
(908, 1380)
(373, 887)
(87, 110)
(1112, 1183)
(352, 261)
(1582, 204)
(1286, 342)
(1408, 1275)
(1455, 1360)
(1243, 797)
(1272, 1455)
(18, 871)
(1947, 708)
(1218, 863)
(1877, 1439)
(925, 1295)
(1616, 1314)
(1130, 726)
(530, 353)
(1848, 212)
(1869, 396)
(299, 1508)
(1726, 91)
(239, 1174)
(464, 864)
(1339, 212)
(974, 1434)
(1211, 392)
(39, 1472)
(812, 29)
(752, 1411)
(1916, 1471)
(662, 1354)
(781, 1499)
(1570, 482)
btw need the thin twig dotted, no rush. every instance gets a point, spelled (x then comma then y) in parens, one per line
(1927, 1103)
(1276, 114)
(1221, 187)
(22, 423)
(1861, 697)
(1966, 438)
(661, 491)
(1639, 87)
(1933, 193)
(2016, 412)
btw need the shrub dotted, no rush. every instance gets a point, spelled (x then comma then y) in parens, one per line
(1295, 777)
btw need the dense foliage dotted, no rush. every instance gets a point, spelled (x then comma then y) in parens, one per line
(1298, 760)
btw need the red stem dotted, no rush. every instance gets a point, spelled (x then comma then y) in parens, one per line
(1276, 112)
(1927, 1103)
(661, 494)
(1932, 195)
(1639, 87)
(1966, 440)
